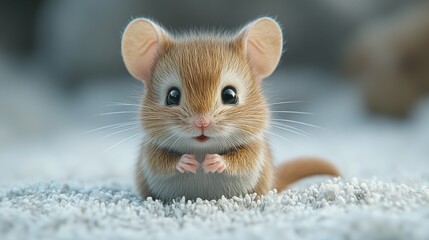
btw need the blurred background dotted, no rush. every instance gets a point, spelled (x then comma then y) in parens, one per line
(69, 109)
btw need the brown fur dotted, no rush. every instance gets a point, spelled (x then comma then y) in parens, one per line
(291, 171)
(266, 179)
(161, 160)
(199, 62)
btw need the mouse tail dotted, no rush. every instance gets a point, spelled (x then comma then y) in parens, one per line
(292, 171)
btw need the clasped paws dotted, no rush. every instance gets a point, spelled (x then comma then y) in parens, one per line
(212, 163)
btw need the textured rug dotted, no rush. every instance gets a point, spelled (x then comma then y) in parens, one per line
(334, 209)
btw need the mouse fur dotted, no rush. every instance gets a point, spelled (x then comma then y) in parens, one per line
(196, 144)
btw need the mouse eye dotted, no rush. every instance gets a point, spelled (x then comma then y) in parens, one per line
(229, 95)
(173, 97)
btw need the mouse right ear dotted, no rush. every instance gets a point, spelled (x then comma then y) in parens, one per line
(141, 41)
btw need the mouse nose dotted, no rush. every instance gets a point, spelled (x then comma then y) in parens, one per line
(201, 121)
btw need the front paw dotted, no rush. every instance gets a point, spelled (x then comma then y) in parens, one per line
(213, 163)
(187, 163)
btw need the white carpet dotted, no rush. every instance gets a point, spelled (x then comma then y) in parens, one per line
(334, 209)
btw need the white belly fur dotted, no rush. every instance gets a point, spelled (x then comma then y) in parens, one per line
(201, 185)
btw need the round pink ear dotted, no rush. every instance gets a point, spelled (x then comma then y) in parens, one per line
(140, 44)
(263, 43)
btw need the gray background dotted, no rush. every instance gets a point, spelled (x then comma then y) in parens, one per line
(60, 67)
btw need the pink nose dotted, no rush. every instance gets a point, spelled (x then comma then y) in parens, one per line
(201, 122)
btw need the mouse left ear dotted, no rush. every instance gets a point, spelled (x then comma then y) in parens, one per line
(262, 41)
(141, 42)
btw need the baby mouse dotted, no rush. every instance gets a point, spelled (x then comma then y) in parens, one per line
(204, 114)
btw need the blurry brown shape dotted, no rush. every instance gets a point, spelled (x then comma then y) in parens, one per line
(390, 58)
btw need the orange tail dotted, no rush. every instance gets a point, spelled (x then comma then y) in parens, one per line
(291, 171)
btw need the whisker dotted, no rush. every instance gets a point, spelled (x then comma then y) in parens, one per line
(292, 127)
(118, 143)
(171, 136)
(248, 132)
(295, 112)
(286, 102)
(228, 140)
(120, 112)
(298, 122)
(112, 126)
(292, 131)
(114, 133)
(288, 140)
(122, 104)
(177, 140)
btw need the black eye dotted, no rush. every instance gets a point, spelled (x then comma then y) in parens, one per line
(173, 97)
(229, 95)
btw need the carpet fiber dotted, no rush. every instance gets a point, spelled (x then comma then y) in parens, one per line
(334, 209)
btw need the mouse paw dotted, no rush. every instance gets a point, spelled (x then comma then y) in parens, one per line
(187, 163)
(213, 163)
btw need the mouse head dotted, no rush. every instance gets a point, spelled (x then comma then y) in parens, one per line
(202, 91)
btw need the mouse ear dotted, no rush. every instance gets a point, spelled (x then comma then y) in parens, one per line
(263, 42)
(141, 41)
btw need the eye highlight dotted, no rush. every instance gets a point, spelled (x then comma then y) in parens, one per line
(229, 95)
(173, 97)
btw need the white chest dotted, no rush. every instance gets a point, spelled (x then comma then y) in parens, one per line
(200, 185)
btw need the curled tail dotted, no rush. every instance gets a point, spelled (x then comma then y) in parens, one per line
(291, 171)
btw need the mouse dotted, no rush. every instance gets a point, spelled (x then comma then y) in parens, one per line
(203, 112)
